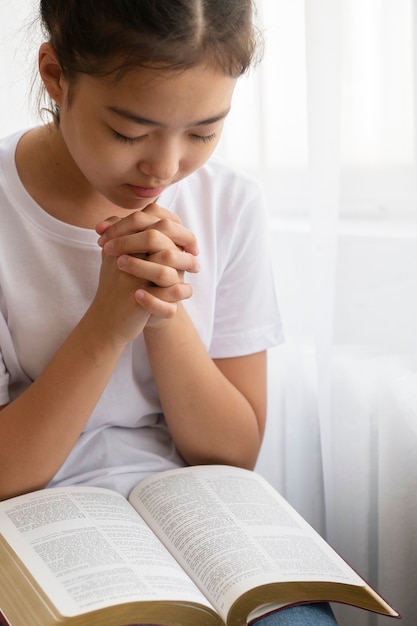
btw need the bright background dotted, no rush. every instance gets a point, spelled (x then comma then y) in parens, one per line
(328, 124)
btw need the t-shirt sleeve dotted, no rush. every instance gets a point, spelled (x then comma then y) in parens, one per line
(247, 318)
(12, 378)
(4, 382)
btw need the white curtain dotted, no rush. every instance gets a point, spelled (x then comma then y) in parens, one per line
(328, 125)
(342, 434)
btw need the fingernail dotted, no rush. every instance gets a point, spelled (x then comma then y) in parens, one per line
(122, 261)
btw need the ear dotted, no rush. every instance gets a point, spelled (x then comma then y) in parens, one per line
(51, 74)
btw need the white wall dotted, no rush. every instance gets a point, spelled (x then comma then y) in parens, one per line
(18, 50)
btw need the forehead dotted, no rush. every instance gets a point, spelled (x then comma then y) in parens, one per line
(198, 91)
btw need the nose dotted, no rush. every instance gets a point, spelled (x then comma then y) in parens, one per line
(162, 161)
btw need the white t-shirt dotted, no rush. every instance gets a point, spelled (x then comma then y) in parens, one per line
(48, 277)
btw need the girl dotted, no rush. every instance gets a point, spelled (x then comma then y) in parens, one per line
(115, 365)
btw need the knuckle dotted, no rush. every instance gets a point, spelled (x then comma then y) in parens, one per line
(153, 239)
(128, 263)
(118, 245)
(166, 275)
(181, 291)
(153, 207)
(137, 219)
(168, 256)
(170, 312)
(165, 224)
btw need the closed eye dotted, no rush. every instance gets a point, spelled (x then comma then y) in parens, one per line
(128, 140)
(204, 138)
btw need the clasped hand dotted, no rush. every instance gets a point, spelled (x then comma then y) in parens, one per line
(145, 256)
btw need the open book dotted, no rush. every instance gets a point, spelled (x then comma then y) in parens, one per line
(207, 545)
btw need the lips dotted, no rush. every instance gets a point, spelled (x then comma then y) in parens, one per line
(146, 192)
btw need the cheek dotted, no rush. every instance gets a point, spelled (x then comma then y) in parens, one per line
(197, 158)
(104, 160)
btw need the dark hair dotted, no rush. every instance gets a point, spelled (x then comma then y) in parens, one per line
(100, 37)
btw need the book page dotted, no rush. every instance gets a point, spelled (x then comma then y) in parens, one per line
(231, 531)
(88, 548)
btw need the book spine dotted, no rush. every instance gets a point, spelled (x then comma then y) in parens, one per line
(3, 619)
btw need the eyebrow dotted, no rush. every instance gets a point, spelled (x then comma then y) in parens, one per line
(144, 121)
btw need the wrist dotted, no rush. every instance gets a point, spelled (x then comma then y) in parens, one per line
(159, 326)
(99, 337)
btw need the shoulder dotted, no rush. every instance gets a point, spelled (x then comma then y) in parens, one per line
(8, 174)
(8, 144)
(8, 147)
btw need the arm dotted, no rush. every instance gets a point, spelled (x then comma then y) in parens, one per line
(39, 429)
(215, 410)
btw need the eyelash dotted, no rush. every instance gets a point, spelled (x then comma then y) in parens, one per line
(204, 138)
(128, 140)
(132, 140)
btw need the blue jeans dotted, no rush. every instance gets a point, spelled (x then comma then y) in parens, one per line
(319, 614)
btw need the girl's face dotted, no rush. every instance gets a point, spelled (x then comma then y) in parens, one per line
(133, 139)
